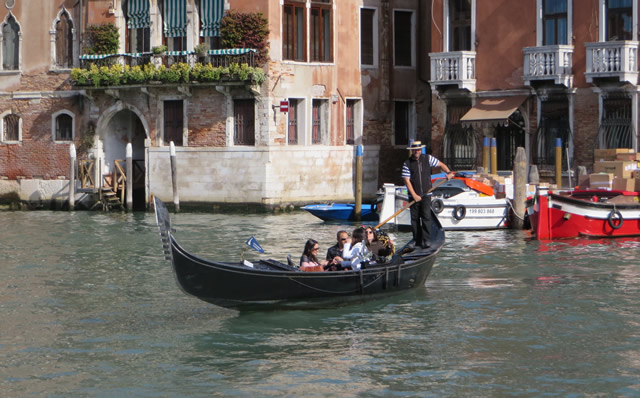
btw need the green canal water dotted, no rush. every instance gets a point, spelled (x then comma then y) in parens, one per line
(89, 308)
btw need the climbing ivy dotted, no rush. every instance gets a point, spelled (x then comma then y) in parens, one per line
(246, 30)
(103, 39)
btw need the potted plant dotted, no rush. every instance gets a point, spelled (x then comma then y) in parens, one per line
(158, 50)
(201, 49)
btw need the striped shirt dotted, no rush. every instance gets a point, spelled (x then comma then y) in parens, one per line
(433, 162)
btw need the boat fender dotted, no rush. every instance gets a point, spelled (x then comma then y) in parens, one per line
(437, 206)
(459, 212)
(614, 216)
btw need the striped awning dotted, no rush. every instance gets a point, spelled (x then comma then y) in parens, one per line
(210, 15)
(175, 18)
(137, 14)
(232, 51)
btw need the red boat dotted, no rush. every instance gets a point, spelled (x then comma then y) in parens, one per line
(588, 213)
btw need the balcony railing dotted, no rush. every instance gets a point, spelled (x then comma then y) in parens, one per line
(548, 63)
(612, 59)
(224, 58)
(454, 68)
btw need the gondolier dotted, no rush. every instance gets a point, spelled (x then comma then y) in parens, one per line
(416, 173)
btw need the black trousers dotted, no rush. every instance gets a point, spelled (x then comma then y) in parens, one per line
(421, 221)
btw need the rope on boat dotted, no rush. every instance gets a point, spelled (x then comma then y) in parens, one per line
(360, 288)
(514, 210)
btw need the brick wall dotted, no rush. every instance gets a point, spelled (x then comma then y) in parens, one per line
(585, 126)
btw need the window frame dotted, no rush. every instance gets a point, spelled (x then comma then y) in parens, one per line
(446, 30)
(374, 38)
(321, 41)
(295, 45)
(55, 66)
(2, 132)
(540, 35)
(412, 33)
(411, 122)
(603, 17)
(319, 121)
(6, 21)
(54, 126)
(185, 135)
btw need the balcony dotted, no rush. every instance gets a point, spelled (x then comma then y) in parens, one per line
(612, 60)
(457, 68)
(548, 63)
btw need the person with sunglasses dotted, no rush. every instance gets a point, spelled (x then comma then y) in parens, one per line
(309, 260)
(335, 251)
(380, 245)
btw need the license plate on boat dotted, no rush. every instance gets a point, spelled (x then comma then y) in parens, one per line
(481, 211)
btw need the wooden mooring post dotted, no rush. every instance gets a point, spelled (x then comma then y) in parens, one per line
(72, 177)
(358, 209)
(129, 177)
(519, 188)
(174, 176)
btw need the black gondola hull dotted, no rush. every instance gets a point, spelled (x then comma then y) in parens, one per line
(236, 285)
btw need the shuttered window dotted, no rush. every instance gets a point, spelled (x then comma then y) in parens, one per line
(351, 122)
(292, 122)
(293, 31)
(244, 127)
(64, 42)
(321, 48)
(173, 122)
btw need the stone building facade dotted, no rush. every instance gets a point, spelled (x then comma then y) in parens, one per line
(550, 69)
(233, 142)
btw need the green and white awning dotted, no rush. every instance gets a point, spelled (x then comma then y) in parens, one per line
(232, 51)
(137, 14)
(175, 18)
(211, 13)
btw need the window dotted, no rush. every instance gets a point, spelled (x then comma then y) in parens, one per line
(460, 25)
(293, 31)
(402, 38)
(616, 127)
(368, 30)
(10, 44)
(321, 31)
(174, 18)
(401, 125)
(138, 33)
(319, 120)
(292, 122)
(62, 126)
(350, 122)
(554, 21)
(173, 122)
(11, 128)
(64, 41)
(211, 12)
(619, 19)
(554, 124)
(244, 127)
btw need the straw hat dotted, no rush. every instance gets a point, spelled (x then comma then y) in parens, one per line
(415, 145)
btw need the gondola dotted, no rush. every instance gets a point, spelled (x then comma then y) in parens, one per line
(270, 283)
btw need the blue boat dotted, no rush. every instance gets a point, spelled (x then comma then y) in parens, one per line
(342, 212)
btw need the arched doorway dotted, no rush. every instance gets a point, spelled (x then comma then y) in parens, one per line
(125, 126)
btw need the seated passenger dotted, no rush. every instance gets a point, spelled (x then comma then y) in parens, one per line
(355, 250)
(335, 251)
(309, 260)
(380, 245)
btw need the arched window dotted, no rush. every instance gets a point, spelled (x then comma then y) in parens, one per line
(64, 41)
(62, 126)
(10, 44)
(11, 128)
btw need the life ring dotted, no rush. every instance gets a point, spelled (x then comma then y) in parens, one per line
(614, 216)
(437, 206)
(459, 212)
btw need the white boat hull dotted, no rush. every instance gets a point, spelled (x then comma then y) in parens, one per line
(464, 211)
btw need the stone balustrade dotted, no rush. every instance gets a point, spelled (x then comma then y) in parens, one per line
(548, 63)
(454, 68)
(612, 59)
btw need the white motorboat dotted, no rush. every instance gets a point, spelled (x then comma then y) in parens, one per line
(458, 207)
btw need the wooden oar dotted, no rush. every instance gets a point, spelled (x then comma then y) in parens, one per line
(408, 205)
